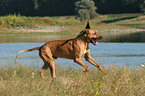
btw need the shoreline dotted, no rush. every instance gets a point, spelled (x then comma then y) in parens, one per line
(55, 29)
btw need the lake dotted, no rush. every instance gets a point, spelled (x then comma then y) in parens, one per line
(122, 54)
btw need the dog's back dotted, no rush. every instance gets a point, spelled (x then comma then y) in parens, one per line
(60, 48)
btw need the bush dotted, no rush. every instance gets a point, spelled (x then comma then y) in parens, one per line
(12, 20)
(86, 9)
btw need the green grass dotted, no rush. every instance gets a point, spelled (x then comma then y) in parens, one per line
(34, 22)
(20, 80)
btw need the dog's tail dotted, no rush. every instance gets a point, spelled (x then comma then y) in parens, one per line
(37, 48)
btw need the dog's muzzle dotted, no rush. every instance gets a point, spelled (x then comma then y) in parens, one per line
(95, 40)
(100, 37)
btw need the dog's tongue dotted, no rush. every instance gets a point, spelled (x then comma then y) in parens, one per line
(95, 41)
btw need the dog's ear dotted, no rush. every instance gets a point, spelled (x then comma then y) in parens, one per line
(88, 25)
(82, 33)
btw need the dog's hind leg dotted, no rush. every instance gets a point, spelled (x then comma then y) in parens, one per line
(49, 63)
(48, 60)
(45, 66)
(52, 68)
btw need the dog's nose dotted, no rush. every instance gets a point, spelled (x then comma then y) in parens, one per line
(100, 37)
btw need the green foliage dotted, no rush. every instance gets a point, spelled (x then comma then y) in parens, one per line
(34, 22)
(65, 7)
(86, 9)
(12, 20)
(118, 6)
(25, 81)
(22, 21)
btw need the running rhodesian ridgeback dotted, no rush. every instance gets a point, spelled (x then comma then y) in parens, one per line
(71, 49)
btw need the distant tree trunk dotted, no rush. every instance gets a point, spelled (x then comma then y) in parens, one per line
(36, 5)
(143, 6)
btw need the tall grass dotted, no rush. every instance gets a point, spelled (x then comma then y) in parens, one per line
(25, 81)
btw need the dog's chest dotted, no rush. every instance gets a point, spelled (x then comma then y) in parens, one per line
(85, 51)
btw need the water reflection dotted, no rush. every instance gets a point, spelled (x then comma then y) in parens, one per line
(29, 38)
(107, 37)
(139, 26)
(125, 37)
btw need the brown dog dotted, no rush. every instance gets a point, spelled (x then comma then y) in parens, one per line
(71, 49)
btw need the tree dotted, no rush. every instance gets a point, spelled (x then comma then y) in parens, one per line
(86, 9)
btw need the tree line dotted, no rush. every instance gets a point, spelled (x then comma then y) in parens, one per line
(67, 7)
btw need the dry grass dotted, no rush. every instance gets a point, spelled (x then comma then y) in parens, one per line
(25, 81)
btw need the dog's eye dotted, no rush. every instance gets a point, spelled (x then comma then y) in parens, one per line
(94, 33)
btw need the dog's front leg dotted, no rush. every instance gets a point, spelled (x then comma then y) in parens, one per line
(80, 62)
(92, 61)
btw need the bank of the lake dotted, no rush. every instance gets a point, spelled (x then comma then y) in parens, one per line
(113, 27)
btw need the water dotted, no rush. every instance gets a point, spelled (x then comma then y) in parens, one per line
(122, 54)
(124, 37)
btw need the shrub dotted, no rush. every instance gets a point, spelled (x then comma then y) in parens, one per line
(12, 20)
(86, 9)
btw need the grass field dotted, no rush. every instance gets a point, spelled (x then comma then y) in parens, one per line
(19, 80)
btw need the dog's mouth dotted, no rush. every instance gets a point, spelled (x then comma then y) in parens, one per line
(94, 41)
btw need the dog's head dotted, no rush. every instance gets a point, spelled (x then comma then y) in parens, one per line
(90, 35)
